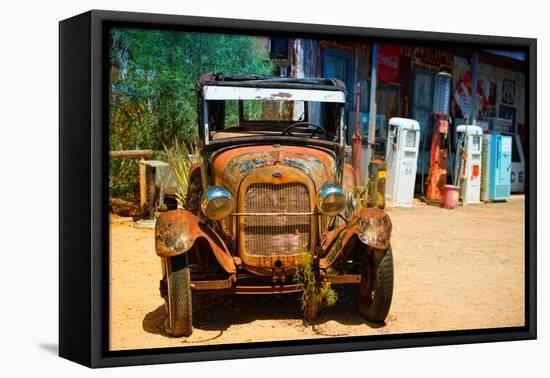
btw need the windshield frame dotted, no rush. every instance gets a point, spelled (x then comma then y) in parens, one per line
(223, 93)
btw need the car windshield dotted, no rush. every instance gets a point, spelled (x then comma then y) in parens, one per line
(249, 117)
(264, 111)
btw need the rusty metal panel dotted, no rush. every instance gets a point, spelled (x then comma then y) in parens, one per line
(370, 225)
(177, 231)
(231, 166)
(273, 289)
(324, 222)
(344, 279)
(212, 284)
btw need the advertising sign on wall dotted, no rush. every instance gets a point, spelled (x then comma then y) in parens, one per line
(463, 96)
(388, 63)
(508, 91)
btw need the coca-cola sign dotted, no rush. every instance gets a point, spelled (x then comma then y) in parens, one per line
(388, 59)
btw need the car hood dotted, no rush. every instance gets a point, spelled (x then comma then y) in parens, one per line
(231, 166)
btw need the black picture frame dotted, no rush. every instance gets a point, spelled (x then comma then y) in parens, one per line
(83, 196)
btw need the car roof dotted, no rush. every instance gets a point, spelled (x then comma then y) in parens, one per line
(220, 79)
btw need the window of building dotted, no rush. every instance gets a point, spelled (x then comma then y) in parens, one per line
(278, 48)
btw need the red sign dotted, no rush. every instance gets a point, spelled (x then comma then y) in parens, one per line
(388, 59)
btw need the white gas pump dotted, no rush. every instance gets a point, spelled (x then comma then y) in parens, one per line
(401, 155)
(469, 155)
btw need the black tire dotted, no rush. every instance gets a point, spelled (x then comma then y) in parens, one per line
(180, 309)
(376, 288)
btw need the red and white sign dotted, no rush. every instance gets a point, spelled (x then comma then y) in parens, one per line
(463, 96)
(388, 58)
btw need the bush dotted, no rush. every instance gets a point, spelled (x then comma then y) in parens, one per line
(362, 196)
(123, 178)
(180, 157)
(315, 295)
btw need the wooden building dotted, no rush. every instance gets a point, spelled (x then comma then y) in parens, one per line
(405, 85)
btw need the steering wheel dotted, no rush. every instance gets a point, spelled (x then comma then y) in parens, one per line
(287, 129)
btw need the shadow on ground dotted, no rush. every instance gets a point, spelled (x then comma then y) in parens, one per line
(218, 312)
(52, 348)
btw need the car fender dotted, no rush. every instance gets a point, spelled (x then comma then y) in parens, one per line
(372, 227)
(177, 231)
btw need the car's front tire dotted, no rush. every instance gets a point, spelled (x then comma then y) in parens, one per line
(180, 309)
(376, 288)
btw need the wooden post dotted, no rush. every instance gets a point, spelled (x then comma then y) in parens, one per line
(473, 98)
(356, 139)
(372, 105)
(152, 192)
(142, 186)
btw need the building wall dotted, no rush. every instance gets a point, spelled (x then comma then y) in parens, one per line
(493, 79)
(489, 73)
(397, 98)
(501, 81)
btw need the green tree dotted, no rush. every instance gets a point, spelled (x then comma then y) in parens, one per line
(153, 87)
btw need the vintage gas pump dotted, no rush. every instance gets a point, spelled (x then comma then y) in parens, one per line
(496, 167)
(439, 150)
(401, 156)
(469, 158)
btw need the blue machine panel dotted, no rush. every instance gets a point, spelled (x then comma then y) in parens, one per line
(501, 167)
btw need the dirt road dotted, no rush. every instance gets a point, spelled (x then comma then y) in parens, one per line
(454, 269)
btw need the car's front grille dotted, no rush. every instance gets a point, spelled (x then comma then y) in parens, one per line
(285, 230)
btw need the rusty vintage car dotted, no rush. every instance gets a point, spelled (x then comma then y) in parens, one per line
(271, 182)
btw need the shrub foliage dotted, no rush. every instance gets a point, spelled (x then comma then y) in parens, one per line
(316, 293)
(153, 77)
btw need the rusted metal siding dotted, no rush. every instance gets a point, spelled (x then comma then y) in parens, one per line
(427, 57)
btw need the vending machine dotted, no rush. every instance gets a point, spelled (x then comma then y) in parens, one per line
(497, 167)
(469, 162)
(401, 155)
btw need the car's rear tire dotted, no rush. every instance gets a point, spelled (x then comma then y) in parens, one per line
(376, 288)
(180, 309)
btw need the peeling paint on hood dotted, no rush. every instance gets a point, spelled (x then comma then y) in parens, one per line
(231, 166)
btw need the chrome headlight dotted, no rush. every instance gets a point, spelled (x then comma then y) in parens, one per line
(331, 200)
(217, 203)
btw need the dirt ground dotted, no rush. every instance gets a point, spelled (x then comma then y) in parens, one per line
(454, 269)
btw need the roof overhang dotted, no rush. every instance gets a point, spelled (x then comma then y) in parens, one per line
(213, 92)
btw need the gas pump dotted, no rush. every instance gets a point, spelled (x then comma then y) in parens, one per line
(468, 158)
(439, 151)
(401, 156)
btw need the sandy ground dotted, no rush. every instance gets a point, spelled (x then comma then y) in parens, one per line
(454, 269)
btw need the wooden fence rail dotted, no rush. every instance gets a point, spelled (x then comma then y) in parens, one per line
(131, 154)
